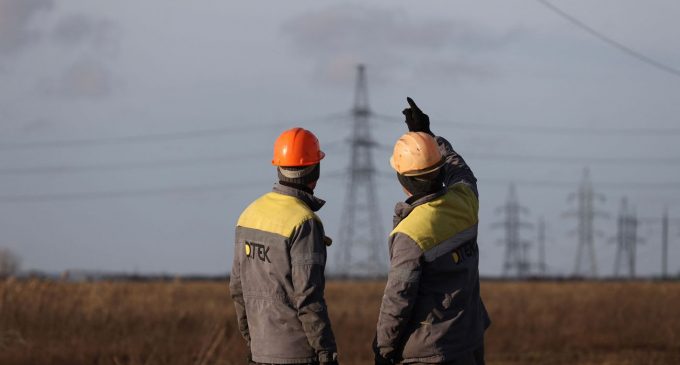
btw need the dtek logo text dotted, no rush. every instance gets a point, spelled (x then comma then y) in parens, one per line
(254, 250)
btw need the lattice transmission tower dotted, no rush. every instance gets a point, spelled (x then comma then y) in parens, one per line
(665, 222)
(516, 262)
(540, 241)
(586, 263)
(626, 239)
(361, 238)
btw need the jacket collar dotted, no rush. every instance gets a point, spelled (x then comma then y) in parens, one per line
(312, 202)
(403, 209)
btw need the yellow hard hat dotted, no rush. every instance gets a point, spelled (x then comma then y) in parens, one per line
(416, 153)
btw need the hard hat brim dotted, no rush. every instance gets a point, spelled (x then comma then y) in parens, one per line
(424, 171)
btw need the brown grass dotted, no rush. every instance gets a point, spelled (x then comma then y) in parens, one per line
(54, 323)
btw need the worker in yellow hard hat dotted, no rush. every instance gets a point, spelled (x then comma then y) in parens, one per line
(431, 311)
(277, 280)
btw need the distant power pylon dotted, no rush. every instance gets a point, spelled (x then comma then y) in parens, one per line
(586, 263)
(540, 241)
(361, 234)
(516, 260)
(626, 239)
(665, 223)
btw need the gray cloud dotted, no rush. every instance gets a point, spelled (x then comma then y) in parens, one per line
(37, 125)
(86, 78)
(16, 23)
(89, 76)
(78, 29)
(342, 35)
(90, 40)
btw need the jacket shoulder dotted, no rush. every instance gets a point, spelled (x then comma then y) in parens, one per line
(440, 219)
(276, 213)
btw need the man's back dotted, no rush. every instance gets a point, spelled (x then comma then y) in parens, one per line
(277, 280)
(448, 317)
(431, 310)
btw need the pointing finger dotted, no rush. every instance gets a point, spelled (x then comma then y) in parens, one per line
(412, 103)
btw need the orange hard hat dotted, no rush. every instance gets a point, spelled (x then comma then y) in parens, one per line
(416, 153)
(297, 147)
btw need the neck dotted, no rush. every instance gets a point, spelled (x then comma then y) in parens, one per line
(302, 187)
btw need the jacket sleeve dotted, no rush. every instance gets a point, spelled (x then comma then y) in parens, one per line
(400, 294)
(236, 291)
(308, 261)
(455, 168)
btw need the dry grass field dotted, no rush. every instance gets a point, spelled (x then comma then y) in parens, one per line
(55, 323)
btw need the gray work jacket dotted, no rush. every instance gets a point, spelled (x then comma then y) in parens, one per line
(431, 310)
(277, 280)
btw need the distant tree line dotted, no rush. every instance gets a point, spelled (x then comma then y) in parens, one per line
(9, 263)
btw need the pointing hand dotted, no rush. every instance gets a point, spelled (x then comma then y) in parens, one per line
(416, 120)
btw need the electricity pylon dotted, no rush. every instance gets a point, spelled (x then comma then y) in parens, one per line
(586, 214)
(516, 260)
(361, 235)
(626, 239)
(665, 223)
(540, 241)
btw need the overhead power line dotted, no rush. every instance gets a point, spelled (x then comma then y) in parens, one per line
(120, 166)
(140, 138)
(216, 160)
(571, 184)
(664, 185)
(162, 136)
(561, 130)
(574, 159)
(616, 44)
(241, 185)
(54, 197)
(545, 129)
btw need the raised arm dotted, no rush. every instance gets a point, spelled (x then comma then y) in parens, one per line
(455, 169)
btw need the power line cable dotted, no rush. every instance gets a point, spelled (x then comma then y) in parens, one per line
(543, 129)
(208, 160)
(544, 183)
(159, 137)
(55, 197)
(67, 169)
(589, 131)
(569, 184)
(240, 186)
(133, 165)
(562, 159)
(618, 45)
(574, 159)
(141, 138)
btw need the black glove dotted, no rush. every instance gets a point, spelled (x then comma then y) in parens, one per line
(380, 360)
(328, 358)
(416, 120)
(249, 357)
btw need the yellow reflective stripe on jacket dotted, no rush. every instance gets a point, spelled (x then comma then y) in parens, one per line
(276, 213)
(433, 222)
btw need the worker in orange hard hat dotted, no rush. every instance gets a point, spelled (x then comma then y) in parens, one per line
(431, 310)
(277, 279)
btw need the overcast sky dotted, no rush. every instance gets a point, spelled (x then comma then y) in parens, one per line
(84, 69)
